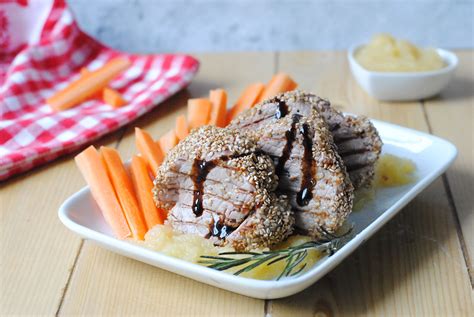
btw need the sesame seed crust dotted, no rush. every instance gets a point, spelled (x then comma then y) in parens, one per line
(333, 192)
(350, 127)
(238, 192)
(269, 224)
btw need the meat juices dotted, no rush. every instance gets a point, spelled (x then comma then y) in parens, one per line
(311, 172)
(216, 184)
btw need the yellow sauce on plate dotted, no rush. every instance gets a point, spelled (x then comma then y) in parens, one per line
(392, 171)
(384, 53)
(190, 247)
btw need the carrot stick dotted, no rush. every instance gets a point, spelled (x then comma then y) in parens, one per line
(124, 189)
(218, 100)
(87, 85)
(143, 188)
(168, 141)
(150, 151)
(94, 171)
(198, 112)
(98, 95)
(279, 83)
(181, 129)
(247, 100)
(113, 98)
(84, 71)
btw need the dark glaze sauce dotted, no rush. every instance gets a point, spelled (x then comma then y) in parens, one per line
(308, 170)
(290, 136)
(282, 110)
(221, 231)
(199, 172)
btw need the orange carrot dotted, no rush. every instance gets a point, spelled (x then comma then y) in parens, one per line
(94, 171)
(198, 112)
(124, 189)
(98, 95)
(143, 188)
(150, 151)
(279, 83)
(84, 71)
(247, 100)
(168, 141)
(182, 129)
(218, 100)
(113, 97)
(87, 85)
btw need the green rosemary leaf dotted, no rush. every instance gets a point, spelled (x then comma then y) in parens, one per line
(239, 253)
(296, 260)
(255, 264)
(220, 258)
(299, 258)
(227, 265)
(278, 259)
(293, 256)
(299, 270)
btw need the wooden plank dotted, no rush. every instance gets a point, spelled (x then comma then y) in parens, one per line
(451, 117)
(105, 283)
(37, 251)
(414, 265)
(411, 267)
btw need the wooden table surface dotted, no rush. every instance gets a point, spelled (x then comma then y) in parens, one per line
(420, 263)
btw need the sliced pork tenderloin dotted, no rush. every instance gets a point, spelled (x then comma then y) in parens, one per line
(357, 140)
(217, 185)
(309, 168)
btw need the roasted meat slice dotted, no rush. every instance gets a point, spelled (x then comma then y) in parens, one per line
(357, 140)
(216, 184)
(310, 171)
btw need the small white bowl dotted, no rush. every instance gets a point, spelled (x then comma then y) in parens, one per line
(402, 86)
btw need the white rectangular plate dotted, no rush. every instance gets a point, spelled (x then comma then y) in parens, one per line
(431, 155)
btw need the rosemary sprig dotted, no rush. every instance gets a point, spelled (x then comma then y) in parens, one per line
(293, 256)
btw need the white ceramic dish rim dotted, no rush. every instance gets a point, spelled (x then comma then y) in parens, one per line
(306, 279)
(450, 58)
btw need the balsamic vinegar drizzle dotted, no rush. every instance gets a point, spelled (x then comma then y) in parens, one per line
(308, 169)
(290, 138)
(201, 169)
(282, 109)
(221, 231)
(199, 172)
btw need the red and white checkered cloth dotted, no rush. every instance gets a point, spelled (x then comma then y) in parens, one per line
(32, 134)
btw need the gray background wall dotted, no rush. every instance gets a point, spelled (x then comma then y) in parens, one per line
(233, 25)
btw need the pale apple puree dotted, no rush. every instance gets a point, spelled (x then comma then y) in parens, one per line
(190, 247)
(387, 54)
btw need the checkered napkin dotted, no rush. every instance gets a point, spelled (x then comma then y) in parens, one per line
(32, 134)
